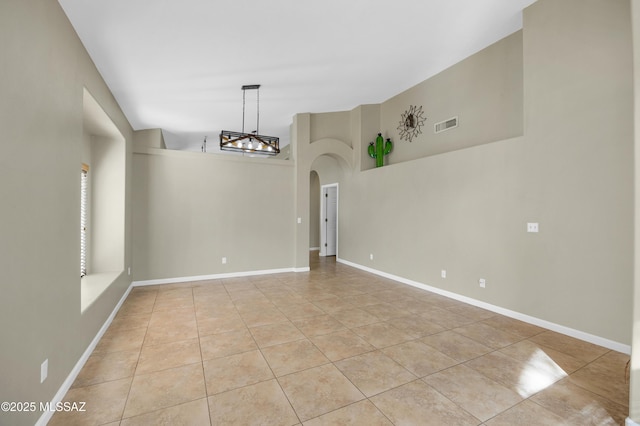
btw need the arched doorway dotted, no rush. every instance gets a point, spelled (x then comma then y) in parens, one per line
(323, 205)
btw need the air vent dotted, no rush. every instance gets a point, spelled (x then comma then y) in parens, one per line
(445, 125)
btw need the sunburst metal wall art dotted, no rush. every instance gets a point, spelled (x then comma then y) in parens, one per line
(411, 123)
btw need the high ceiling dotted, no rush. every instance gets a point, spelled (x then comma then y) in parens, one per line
(179, 65)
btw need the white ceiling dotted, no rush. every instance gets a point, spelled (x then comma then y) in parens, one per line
(179, 64)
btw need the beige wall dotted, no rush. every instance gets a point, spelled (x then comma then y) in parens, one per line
(563, 159)
(148, 138)
(579, 134)
(43, 73)
(192, 209)
(331, 125)
(107, 205)
(484, 91)
(365, 127)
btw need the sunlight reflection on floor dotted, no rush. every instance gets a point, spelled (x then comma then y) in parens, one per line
(597, 415)
(539, 373)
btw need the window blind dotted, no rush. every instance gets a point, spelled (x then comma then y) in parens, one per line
(84, 176)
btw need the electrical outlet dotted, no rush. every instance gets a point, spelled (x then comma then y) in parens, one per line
(299, 220)
(482, 282)
(129, 270)
(371, 256)
(44, 370)
(443, 273)
(532, 227)
(224, 260)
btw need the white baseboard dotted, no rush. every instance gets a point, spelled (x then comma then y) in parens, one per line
(597, 340)
(215, 276)
(66, 385)
(629, 422)
(314, 248)
(46, 416)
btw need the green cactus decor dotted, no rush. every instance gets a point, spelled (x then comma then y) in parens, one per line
(380, 150)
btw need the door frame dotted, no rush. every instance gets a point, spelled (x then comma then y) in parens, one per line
(323, 201)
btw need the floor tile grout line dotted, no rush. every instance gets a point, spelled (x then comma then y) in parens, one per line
(270, 368)
(452, 401)
(157, 410)
(165, 369)
(419, 338)
(126, 401)
(589, 390)
(204, 377)
(287, 397)
(506, 385)
(308, 338)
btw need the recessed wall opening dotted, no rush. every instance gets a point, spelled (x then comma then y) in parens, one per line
(103, 152)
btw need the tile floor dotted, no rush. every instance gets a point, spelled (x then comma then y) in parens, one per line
(336, 346)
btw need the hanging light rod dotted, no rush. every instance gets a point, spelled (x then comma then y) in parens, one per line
(253, 142)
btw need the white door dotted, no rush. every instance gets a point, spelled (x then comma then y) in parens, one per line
(329, 220)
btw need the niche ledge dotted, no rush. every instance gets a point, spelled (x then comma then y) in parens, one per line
(93, 285)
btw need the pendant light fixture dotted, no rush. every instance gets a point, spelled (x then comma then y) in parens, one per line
(254, 142)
